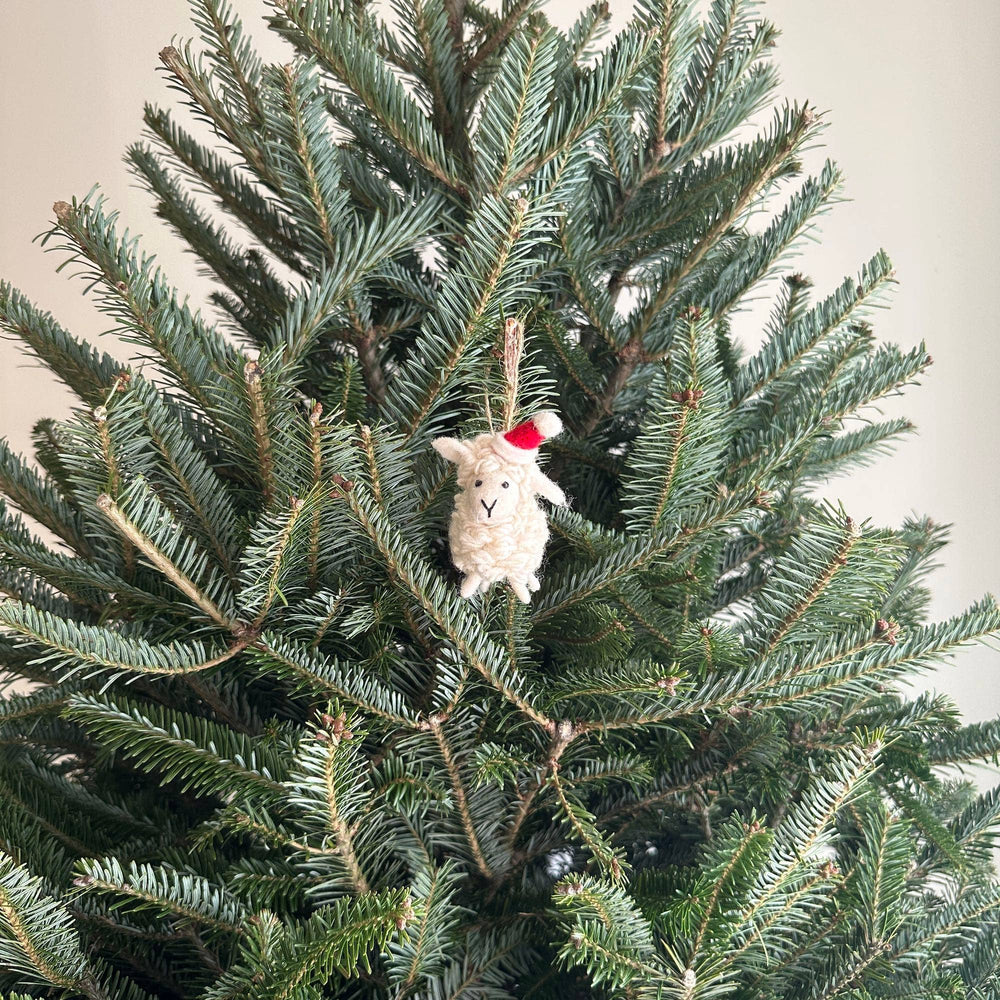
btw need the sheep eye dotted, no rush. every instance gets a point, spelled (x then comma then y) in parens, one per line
(479, 482)
(505, 485)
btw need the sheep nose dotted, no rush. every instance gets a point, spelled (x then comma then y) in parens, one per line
(489, 509)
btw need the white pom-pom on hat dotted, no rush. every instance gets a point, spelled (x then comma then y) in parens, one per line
(547, 423)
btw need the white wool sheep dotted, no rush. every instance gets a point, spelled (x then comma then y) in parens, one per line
(497, 530)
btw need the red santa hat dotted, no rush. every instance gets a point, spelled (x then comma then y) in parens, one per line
(520, 443)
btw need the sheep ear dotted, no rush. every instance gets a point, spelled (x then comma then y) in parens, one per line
(452, 449)
(551, 491)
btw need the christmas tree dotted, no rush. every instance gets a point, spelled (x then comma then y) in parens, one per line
(268, 750)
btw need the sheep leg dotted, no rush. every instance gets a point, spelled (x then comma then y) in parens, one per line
(533, 583)
(471, 584)
(520, 589)
(484, 586)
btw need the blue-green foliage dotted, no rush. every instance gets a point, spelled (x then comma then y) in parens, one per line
(260, 747)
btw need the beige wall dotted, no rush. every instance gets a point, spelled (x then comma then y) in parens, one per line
(912, 92)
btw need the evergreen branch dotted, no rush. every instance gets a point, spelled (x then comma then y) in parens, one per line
(438, 55)
(581, 822)
(198, 87)
(796, 900)
(233, 52)
(232, 190)
(921, 647)
(675, 461)
(788, 347)
(204, 495)
(469, 296)
(261, 432)
(324, 787)
(146, 546)
(20, 708)
(632, 555)
(40, 822)
(821, 583)
(747, 269)
(36, 936)
(563, 735)
(203, 756)
(305, 158)
(513, 109)
(279, 554)
(958, 919)
(666, 54)
(89, 373)
(362, 251)
(85, 582)
(882, 873)
(261, 295)
(436, 724)
(851, 972)
(316, 430)
(281, 963)
(858, 448)
(184, 897)
(594, 94)
(974, 742)
(320, 675)
(420, 958)
(380, 492)
(977, 828)
(98, 649)
(741, 845)
(136, 294)
(457, 623)
(575, 363)
(610, 935)
(498, 35)
(806, 827)
(339, 48)
(595, 302)
(788, 137)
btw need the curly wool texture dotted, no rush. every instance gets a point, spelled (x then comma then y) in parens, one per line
(497, 530)
(485, 550)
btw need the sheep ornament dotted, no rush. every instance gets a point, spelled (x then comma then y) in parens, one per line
(497, 529)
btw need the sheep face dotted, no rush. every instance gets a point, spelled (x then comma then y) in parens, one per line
(491, 491)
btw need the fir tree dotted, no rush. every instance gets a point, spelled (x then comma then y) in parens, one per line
(268, 752)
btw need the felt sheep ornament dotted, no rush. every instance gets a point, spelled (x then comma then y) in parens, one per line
(497, 529)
